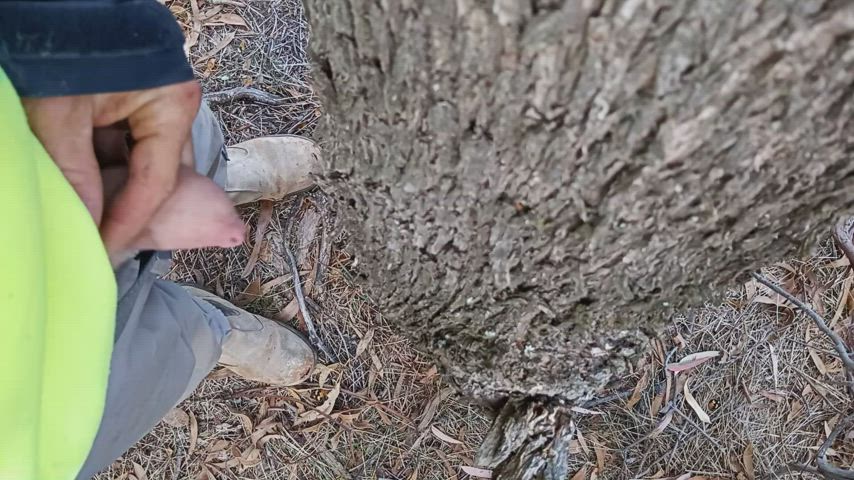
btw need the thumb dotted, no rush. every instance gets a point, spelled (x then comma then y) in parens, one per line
(63, 126)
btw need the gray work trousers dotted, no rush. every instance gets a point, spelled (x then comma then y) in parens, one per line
(166, 341)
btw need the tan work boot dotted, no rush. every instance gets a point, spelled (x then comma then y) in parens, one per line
(268, 168)
(260, 349)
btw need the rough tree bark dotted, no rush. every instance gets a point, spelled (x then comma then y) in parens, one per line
(531, 185)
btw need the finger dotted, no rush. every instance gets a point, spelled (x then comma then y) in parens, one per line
(151, 179)
(63, 126)
(161, 131)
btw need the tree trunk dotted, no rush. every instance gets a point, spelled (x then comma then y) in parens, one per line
(531, 185)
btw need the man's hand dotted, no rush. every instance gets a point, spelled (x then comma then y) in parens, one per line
(160, 121)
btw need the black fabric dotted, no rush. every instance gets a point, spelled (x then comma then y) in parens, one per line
(61, 47)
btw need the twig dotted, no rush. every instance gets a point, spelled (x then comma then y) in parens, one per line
(838, 343)
(842, 234)
(309, 323)
(244, 94)
(828, 469)
(298, 293)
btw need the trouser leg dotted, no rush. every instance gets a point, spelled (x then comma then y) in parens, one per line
(166, 340)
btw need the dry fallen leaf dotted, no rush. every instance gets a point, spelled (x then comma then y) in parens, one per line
(777, 300)
(637, 392)
(747, 461)
(194, 433)
(364, 342)
(665, 421)
(433, 407)
(176, 418)
(323, 410)
(795, 410)
(693, 360)
(139, 471)
(245, 422)
(228, 19)
(443, 436)
(655, 405)
(251, 293)
(843, 297)
(582, 442)
(581, 474)
(775, 362)
(816, 360)
(585, 411)
(701, 414)
(224, 41)
(774, 395)
(265, 214)
(601, 456)
(476, 472)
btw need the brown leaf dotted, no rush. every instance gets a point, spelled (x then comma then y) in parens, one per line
(655, 405)
(139, 471)
(581, 474)
(750, 289)
(224, 41)
(267, 286)
(251, 293)
(702, 415)
(323, 410)
(228, 19)
(776, 300)
(582, 442)
(693, 360)
(364, 342)
(177, 418)
(442, 435)
(775, 363)
(476, 472)
(665, 421)
(265, 214)
(796, 409)
(774, 395)
(816, 360)
(207, 14)
(637, 393)
(194, 433)
(433, 407)
(245, 422)
(747, 461)
(289, 312)
(601, 456)
(585, 411)
(843, 297)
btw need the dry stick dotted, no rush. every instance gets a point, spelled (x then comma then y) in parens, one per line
(292, 264)
(244, 93)
(829, 470)
(838, 343)
(824, 467)
(309, 323)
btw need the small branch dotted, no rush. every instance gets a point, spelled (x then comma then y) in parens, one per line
(298, 293)
(828, 469)
(836, 340)
(309, 323)
(244, 94)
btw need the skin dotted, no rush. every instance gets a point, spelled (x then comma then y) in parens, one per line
(156, 199)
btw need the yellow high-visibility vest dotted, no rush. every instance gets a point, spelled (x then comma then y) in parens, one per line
(57, 310)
